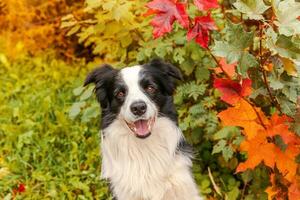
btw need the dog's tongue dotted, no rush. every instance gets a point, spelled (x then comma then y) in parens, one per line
(141, 127)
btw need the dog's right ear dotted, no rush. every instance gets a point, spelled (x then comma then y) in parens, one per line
(102, 77)
(99, 74)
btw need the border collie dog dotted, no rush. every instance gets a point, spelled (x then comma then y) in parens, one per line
(143, 154)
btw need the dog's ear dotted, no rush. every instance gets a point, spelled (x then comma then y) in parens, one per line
(102, 77)
(167, 68)
(167, 72)
(98, 74)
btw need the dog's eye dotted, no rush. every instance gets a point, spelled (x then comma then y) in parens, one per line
(150, 89)
(120, 94)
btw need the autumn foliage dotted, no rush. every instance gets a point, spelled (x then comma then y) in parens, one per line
(269, 139)
(238, 105)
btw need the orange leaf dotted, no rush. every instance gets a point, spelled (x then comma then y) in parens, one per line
(242, 115)
(258, 150)
(294, 190)
(279, 126)
(228, 68)
(285, 161)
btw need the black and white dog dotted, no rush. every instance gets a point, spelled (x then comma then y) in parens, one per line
(142, 145)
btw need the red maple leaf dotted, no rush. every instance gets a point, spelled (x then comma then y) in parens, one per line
(206, 4)
(232, 91)
(200, 30)
(167, 11)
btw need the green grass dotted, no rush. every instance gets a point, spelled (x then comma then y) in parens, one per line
(54, 156)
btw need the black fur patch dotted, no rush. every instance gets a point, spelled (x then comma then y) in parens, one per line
(107, 85)
(163, 77)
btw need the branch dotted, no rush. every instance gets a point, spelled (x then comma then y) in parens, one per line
(261, 63)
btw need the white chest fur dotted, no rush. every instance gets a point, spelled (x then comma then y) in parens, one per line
(147, 169)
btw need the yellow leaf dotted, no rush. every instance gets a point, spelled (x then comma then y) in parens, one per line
(289, 66)
(3, 172)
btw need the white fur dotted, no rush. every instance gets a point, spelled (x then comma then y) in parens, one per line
(130, 75)
(147, 169)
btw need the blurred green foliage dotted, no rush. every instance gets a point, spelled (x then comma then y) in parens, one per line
(53, 156)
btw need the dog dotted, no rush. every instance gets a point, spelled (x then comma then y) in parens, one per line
(144, 153)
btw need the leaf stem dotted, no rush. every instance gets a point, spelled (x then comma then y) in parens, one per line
(261, 63)
(243, 191)
(217, 62)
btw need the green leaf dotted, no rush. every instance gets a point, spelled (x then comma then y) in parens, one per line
(246, 61)
(77, 91)
(233, 194)
(275, 83)
(282, 45)
(287, 12)
(287, 106)
(89, 113)
(187, 66)
(219, 146)
(226, 132)
(247, 176)
(87, 94)
(227, 153)
(252, 8)
(202, 74)
(234, 48)
(230, 52)
(75, 109)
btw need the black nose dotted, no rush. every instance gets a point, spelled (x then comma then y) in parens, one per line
(138, 108)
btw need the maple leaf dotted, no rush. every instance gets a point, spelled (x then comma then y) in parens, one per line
(228, 68)
(285, 161)
(279, 125)
(242, 115)
(294, 189)
(167, 11)
(233, 91)
(287, 13)
(258, 150)
(206, 4)
(200, 30)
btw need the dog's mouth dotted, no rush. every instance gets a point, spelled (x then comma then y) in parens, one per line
(141, 128)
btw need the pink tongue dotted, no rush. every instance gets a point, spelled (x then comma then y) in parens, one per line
(141, 127)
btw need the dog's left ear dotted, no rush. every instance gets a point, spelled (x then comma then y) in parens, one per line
(167, 68)
(102, 78)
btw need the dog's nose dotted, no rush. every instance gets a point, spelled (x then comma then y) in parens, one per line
(138, 108)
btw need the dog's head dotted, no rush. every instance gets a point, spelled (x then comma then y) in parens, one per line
(137, 95)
